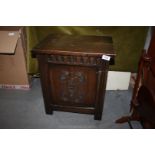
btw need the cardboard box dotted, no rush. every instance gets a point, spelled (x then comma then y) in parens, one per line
(13, 72)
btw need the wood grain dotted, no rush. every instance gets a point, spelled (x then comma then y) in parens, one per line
(73, 75)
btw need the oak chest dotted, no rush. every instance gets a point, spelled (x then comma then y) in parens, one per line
(73, 72)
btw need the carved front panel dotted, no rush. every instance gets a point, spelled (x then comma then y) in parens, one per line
(73, 85)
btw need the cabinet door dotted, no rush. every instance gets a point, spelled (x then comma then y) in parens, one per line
(73, 85)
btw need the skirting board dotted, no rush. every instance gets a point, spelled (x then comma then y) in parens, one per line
(115, 81)
(118, 80)
(20, 87)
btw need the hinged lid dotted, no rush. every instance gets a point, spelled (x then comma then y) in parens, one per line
(75, 45)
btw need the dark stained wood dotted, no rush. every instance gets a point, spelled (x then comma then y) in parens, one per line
(73, 75)
(10, 28)
(76, 45)
(143, 99)
(82, 110)
(146, 108)
(43, 67)
(101, 86)
(72, 85)
(143, 63)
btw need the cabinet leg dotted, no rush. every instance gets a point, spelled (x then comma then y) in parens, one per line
(133, 117)
(48, 110)
(123, 119)
(98, 116)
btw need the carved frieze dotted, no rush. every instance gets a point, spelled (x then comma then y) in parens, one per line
(75, 60)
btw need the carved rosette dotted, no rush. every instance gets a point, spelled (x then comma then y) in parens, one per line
(72, 86)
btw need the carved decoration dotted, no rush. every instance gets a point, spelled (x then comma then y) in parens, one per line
(69, 59)
(72, 86)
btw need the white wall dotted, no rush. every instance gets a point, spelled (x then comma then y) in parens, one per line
(148, 38)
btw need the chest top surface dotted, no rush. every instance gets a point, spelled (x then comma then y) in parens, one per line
(75, 45)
